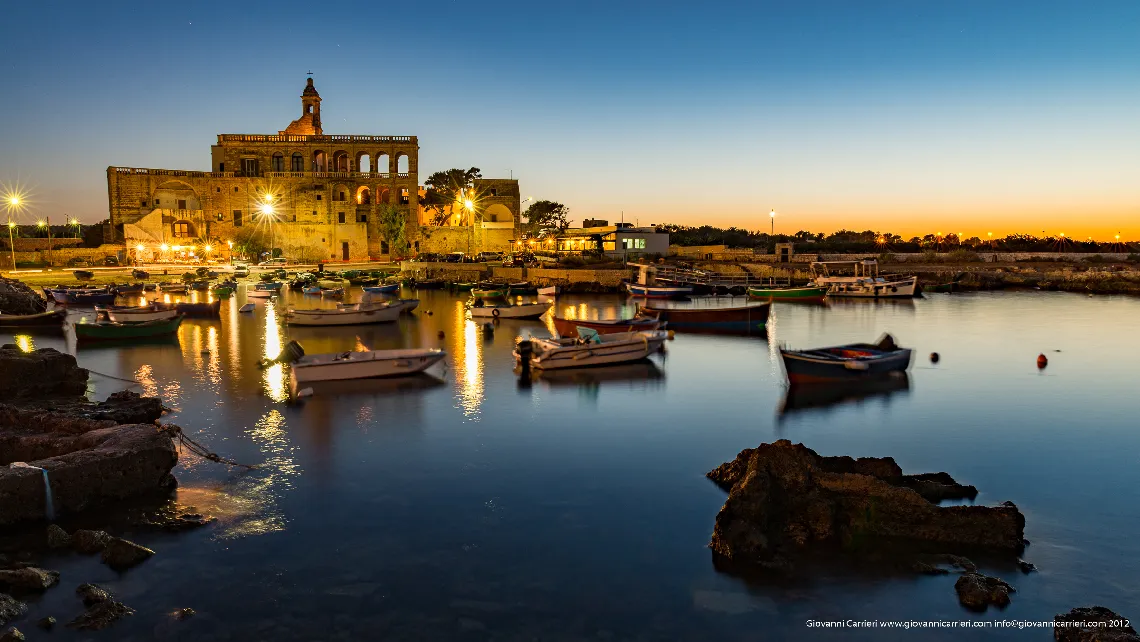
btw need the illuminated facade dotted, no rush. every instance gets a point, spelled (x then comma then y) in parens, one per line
(313, 195)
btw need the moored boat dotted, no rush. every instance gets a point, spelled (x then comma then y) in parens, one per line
(332, 293)
(174, 288)
(370, 364)
(312, 289)
(359, 314)
(658, 291)
(201, 310)
(864, 282)
(50, 319)
(118, 331)
(429, 284)
(484, 292)
(569, 327)
(522, 288)
(548, 291)
(248, 307)
(845, 363)
(82, 297)
(388, 288)
(136, 314)
(588, 349)
(743, 318)
(269, 286)
(809, 293)
(521, 311)
(129, 288)
(84, 275)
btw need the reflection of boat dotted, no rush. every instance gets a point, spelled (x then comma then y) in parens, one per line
(339, 366)
(628, 372)
(569, 327)
(845, 363)
(808, 396)
(52, 319)
(113, 331)
(744, 318)
(865, 281)
(589, 349)
(380, 386)
(429, 284)
(523, 311)
(809, 293)
(202, 310)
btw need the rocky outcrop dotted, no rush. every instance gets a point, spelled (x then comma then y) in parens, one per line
(57, 537)
(121, 554)
(12, 635)
(977, 592)
(1093, 624)
(29, 578)
(784, 498)
(17, 298)
(102, 609)
(42, 372)
(90, 542)
(10, 608)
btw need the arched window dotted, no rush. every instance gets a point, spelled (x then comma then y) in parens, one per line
(278, 163)
(182, 230)
(320, 161)
(363, 195)
(402, 164)
(340, 162)
(382, 161)
(364, 163)
(298, 164)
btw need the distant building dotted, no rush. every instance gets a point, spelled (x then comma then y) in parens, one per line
(619, 241)
(594, 222)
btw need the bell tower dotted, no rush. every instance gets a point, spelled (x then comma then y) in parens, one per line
(309, 124)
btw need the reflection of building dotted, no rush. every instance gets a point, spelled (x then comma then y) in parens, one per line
(321, 192)
(617, 241)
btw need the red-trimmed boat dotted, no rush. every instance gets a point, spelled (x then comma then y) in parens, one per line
(746, 318)
(569, 327)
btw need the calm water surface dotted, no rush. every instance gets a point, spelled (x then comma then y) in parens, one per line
(469, 506)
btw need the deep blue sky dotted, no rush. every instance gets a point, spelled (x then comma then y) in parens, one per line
(905, 116)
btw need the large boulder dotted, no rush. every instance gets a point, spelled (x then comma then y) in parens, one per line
(977, 592)
(10, 608)
(17, 298)
(42, 372)
(784, 497)
(29, 578)
(1093, 624)
(102, 609)
(121, 554)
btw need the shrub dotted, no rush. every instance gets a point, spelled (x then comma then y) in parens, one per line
(887, 257)
(1095, 258)
(963, 256)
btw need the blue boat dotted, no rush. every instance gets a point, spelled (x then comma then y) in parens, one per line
(853, 362)
(271, 286)
(82, 297)
(390, 288)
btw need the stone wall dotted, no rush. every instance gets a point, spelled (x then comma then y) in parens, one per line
(36, 244)
(464, 238)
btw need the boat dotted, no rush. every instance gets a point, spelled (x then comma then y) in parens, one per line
(200, 286)
(136, 314)
(363, 280)
(51, 319)
(743, 318)
(865, 281)
(389, 288)
(241, 272)
(129, 288)
(119, 331)
(141, 275)
(521, 288)
(589, 348)
(270, 286)
(429, 284)
(358, 314)
(84, 275)
(807, 293)
(82, 297)
(845, 363)
(548, 291)
(521, 311)
(463, 287)
(175, 288)
(312, 289)
(260, 294)
(569, 327)
(371, 364)
(248, 307)
(658, 291)
(201, 310)
(333, 293)
(489, 293)
(150, 287)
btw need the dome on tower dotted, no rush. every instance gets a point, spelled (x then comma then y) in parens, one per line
(310, 90)
(309, 123)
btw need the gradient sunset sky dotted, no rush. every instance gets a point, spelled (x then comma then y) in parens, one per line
(910, 117)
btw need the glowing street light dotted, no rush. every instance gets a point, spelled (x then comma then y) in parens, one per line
(164, 247)
(268, 212)
(772, 215)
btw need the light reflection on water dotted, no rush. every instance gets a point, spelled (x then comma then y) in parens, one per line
(470, 375)
(274, 376)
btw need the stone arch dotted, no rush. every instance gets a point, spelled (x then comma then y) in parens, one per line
(176, 195)
(363, 195)
(297, 162)
(183, 229)
(364, 162)
(340, 161)
(320, 161)
(383, 161)
(277, 162)
(498, 213)
(385, 196)
(402, 163)
(340, 193)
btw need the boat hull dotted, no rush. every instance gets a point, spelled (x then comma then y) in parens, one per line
(85, 332)
(391, 288)
(805, 368)
(201, 310)
(814, 293)
(739, 319)
(82, 298)
(657, 291)
(585, 355)
(569, 327)
(525, 311)
(52, 319)
(140, 314)
(384, 363)
(385, 314)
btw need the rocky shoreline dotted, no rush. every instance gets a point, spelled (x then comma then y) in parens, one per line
(18, 298)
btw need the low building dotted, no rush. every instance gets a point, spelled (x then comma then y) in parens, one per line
(621, 241)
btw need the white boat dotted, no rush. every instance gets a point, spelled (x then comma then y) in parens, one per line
(523, 311)
(353, 315)
(864, 282)
(589, 349)
(363, 365)
(145, 313)
(248, 307)
(260, 294)
(406, 305)
(549, 291)
(648, 287)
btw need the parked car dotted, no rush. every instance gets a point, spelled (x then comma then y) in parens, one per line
(455, 257)
(522, 259)
(428, 257)
(111, 261)
(79, 262)
(489, 256)
(275, 263)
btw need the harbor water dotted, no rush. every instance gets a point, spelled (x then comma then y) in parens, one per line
(469, 504)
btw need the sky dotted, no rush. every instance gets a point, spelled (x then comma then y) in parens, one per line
(908, 117)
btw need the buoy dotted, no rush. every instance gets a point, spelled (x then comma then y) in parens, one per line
(670, 334)
(1041, 361)
(441, 334)
(429, 313)
(934, 357)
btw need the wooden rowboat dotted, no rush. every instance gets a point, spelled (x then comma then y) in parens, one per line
(746, 318)
(524, 311)
(52, 319)
(845, 363)
(569, 327)
(658, 291)
(117, 331)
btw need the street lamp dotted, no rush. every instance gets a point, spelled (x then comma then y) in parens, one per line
(47, 224)
(772, 215)
(268, 212)
(13, 201)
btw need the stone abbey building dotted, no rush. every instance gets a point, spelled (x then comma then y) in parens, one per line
(313, 195)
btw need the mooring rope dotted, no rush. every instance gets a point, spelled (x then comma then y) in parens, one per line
(113, 377)
(202, 451)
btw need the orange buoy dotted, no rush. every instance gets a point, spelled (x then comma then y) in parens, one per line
(934, 357)
(1041, 361)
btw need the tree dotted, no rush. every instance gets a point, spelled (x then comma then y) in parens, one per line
(250, 242)
(393, 227)
(443, 188)
(547, 217)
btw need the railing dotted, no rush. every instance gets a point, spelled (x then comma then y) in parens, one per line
(701, 277)
(193, 174)
(299, 138)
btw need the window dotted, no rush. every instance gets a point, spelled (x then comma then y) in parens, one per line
(383, 247)
(633, 244)
(361, 217)
(298, 163)
(181, 230)
(494, 192)
(221, 167)
(181, 203)
(403, 196)
(340, 217)
(318, 197)
(219, 190)
(157, 201)
(237, 218)
(143, 204)
(249, 166)
(235, 189)
(221, 216)
(294, 218)
(278, 162)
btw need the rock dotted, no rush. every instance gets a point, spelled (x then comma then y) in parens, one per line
(12, 635)
(18, 298)
(121, 554)
(1109, 627)
(92, 594)
(977, 592)
(182, 614)
(1026, 567)
(46, 623)
(101, 615)
(937, 562)
(29, 578)
(10, 608)
(927, 568)
(57, 537)
(128, 407)
(784, 497)
(90, 542)
(39, 373)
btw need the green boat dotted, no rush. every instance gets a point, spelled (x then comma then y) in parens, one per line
(941, 287)
(223, 292)
(808, 293)
(119, 331)
(463, 287)
(480, 293)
